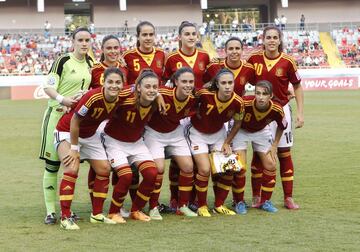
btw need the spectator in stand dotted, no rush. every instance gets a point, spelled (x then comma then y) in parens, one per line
(277, 22)
(47, 27)
(283, 21)
(302, 22)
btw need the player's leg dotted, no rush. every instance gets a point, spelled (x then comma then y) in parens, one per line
(52, 163)
(155, 194)
(239, 180)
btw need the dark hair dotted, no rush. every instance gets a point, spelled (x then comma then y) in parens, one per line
(138, 30)
(182, 26)
(268, 28)
(215, 81)
(179, 72)
(232, 39)
(111, 70)
(106, 38)
(145, 73)
(80, 29)
(265, 84)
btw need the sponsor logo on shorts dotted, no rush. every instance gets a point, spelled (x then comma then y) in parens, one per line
(196, 147)
(112, 161)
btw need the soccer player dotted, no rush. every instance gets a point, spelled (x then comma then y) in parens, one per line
(197, 59)
(110, 57)
(164, 133)
(76, 137)
(258, 113)
(207, 133)
(188, 55)
(274, 65)
(145, 55)
(124, 145)
(68, 75)
(243, 71)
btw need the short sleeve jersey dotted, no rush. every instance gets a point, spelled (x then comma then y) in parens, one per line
(175, 111)
(279, 71)
(213, 113)
(93, 109)
(243, 74)
(68, 75)
(137, 60)
(254, 120)
(97, 74)
(197, 62)
(128, 122)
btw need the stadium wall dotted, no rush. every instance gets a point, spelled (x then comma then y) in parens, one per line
(321, 11)
(29, 87)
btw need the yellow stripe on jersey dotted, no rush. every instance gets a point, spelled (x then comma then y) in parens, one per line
(287, 57)
(93, 99)
(129, 51)
(179, 105)
(260, 115)
(221, 106)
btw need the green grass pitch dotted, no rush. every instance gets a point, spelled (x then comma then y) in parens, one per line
(327, 187)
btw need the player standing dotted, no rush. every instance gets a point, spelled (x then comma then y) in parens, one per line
(274, 65)
(68, 75)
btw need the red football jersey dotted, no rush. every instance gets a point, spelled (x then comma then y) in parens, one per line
(93, 109)
(137, 60)
(128, 122)
(197, 62)
(243, 74)
(213, 113)
(175, 109)
(255, 120)
(279, 72)
(97, 74)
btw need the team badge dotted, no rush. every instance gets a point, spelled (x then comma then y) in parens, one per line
(83, 110)
(279, 72)
(201, 66)
(159, 64)
(51, 80)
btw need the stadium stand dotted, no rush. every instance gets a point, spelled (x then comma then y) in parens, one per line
(348, 43)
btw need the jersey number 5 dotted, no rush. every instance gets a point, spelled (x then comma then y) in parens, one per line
(136, 65)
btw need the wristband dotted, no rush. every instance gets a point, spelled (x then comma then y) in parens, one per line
(59, 98)
(75, 147)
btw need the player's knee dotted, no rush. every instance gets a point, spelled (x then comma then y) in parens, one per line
(187, 166)
(124, 175)
(103, 169)
(148, 171)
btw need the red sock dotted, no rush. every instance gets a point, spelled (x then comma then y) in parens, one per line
(201, 185)
(286, 171)
(148, 171)
(238, 186)
(193, 194)
(101, 187)
(120, 189)
(267, 185)
(155, 194)
(214, 178)
(174, 172)
(134, 183)
(91, 179)
(186, 181)
(256, 174)
(67, 188)
(223, 186)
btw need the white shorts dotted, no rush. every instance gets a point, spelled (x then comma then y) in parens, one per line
(174, 143)
(204, 143)
(286, 139)
(120, 153)
(90, 147)
(261, 140)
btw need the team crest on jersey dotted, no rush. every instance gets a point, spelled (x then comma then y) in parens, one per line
(201, 66)
(83, 110)
(279, 72)
(159, 64)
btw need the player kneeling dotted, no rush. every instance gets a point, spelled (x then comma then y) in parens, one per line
(259, 112)
(76, 138)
